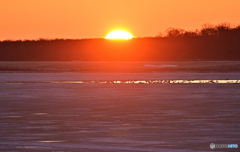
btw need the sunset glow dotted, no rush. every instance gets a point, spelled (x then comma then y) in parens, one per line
(119, 35)
(77, 19)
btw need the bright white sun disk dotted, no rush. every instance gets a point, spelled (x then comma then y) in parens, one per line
(119, 35)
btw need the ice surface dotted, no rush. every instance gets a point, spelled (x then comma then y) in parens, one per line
(117, 117)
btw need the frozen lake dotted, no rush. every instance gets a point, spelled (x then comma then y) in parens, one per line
(39, 116)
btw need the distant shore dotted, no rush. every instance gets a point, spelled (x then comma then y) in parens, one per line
(211, 43)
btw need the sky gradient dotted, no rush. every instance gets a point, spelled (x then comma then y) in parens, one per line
(34, 19)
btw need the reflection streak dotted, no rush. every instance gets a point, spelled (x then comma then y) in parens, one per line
(129, 81)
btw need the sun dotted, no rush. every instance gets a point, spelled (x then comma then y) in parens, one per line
(119, 35)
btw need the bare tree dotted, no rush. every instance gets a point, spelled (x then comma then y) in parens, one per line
(174, 32)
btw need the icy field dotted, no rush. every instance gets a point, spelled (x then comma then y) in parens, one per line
(40, 116)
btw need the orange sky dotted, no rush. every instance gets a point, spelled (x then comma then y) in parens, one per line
(33, 19)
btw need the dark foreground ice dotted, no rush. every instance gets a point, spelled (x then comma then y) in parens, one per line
(44, 117)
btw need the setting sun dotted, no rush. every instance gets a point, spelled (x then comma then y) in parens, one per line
(119, 35)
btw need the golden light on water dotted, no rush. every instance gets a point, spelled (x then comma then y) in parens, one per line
(119, 35)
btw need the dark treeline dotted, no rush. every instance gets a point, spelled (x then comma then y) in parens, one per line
(220, 42)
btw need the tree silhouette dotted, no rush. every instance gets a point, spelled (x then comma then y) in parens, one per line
(174, 32)
(219, 42)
